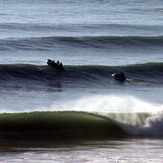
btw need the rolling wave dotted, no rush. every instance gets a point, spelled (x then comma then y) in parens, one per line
(147, 72)
(49, 43)
(58, 126)
(74, 125)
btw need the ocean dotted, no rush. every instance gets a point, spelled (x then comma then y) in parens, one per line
(81, 114)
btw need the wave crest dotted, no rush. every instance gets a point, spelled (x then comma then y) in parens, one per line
(153, 127)
(148, 73)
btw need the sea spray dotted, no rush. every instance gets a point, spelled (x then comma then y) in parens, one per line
(153, 127)
(109, 104)
(126, 111)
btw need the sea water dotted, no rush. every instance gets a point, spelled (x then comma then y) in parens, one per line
(93, 40)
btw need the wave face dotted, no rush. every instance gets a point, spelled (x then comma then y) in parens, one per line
(58, 126)
(101, 42)
(73, 125)
(151, 73)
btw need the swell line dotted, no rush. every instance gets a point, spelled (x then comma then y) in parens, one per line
(46, 43)
(152, 72)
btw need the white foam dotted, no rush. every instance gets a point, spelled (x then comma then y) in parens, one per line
(153, 127)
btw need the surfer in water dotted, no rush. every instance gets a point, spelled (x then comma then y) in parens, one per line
(119, 76)
(56, 65)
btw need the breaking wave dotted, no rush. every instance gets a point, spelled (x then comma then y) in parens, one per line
(74, 125)
(153, 126)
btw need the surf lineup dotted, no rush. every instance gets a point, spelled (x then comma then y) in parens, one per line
(59, 67)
